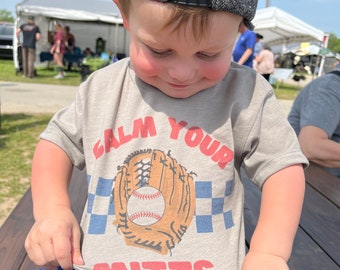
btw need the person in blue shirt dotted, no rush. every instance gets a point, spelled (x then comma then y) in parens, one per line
(243, 52)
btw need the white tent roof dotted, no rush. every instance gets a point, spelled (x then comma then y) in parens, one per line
(279, 27)
(83, 10)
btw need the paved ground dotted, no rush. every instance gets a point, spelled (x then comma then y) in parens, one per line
(34, 98)
(42, 98)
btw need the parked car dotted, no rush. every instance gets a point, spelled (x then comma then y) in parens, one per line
(6, 40)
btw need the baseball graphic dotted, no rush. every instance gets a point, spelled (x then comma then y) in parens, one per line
(154, 200)
(145, 206)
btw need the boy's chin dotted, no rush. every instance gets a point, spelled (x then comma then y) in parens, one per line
(179, 94)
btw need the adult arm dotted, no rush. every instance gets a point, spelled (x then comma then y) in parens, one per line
(245, 56)
(57, 46)
(258, 58)
(55, 236)
(37, 36)
(281, 206)
(318, 148)
(17, 33)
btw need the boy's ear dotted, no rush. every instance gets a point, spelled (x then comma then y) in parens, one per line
(125, 21)
(242, 27)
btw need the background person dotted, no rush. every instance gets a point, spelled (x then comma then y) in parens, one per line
(70, 39)
(265, 62)
(258, 44)
(315, 117)
(31, 34)
(58, 49)
(70, 44)
(164, 177)
(243, 52)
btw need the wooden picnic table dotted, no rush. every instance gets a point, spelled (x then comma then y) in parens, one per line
(316, 246)
(16, 227)
(317, 242)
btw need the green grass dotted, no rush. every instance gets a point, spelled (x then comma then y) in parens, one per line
(44, 75)
(286, 91)
(18, 137)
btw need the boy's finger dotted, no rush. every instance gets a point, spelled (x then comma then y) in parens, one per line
(40, 252)
(76, 253)
(62, 251)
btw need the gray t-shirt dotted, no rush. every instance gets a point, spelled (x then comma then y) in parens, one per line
(163, 173)
(318, 104)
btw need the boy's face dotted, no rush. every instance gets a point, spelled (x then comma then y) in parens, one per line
(175, 62)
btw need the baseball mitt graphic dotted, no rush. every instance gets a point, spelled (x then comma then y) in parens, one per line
(154, 200)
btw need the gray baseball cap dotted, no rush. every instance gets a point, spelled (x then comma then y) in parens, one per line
(244, 8)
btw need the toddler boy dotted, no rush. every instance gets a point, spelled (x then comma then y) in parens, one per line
(164, 135)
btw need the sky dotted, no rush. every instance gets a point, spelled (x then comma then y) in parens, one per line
(322, 14)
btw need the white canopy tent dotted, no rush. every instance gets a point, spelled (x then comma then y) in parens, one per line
(281, 28)
(88, 20)
(95, 10)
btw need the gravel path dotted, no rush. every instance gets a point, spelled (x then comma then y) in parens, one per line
(34, 98)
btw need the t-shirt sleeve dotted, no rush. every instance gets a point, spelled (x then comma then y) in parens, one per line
(271, 144)
(66, 130)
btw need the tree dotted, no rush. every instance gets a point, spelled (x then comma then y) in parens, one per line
(6, 16)
(334, 43)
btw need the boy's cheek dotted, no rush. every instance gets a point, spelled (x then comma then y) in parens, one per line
(142, 62)
(216, 73)
(144, 66)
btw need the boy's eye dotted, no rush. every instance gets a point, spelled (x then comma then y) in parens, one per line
(159, 53)
(207, 56)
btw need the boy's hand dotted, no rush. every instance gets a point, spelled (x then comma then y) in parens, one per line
(263, 261)
(55, 240)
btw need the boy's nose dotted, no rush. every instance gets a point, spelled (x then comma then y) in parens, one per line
(182, 72)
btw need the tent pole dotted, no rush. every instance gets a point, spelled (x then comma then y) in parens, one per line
(116, 38)
(322, 64)
(325, 46)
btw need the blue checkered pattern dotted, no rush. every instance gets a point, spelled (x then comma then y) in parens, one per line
(99, 215)
(210, 206)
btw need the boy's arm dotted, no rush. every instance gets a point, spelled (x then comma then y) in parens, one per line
(51, 173)
(55, 237)
(281, 206)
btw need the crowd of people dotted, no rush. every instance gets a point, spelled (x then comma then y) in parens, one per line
(63, 41)
(63, 48)
(250, 51)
